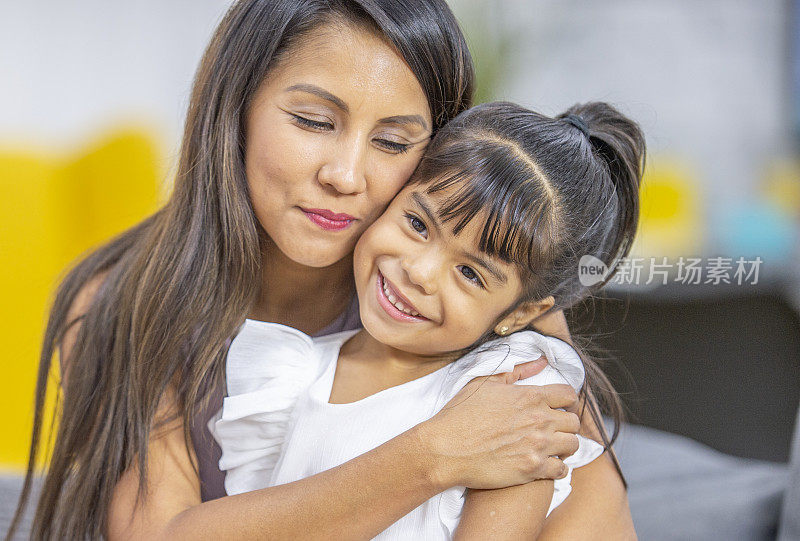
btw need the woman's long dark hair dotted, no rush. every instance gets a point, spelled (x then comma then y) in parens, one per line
(180, 283)
(551, 191)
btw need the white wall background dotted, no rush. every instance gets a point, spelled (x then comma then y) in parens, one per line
(69, 68)
(709, 81)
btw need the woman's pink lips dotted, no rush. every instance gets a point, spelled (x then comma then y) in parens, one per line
(389, 308)
(330, 221)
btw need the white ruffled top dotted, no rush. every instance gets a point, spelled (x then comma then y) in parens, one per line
(276, 425)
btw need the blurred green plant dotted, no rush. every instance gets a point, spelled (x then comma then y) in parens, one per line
(490, 42)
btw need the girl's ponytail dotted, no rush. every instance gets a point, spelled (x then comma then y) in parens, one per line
(619, 144)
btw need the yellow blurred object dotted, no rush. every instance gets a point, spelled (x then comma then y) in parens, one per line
(671, 219)
(781, 186)
(53, 209)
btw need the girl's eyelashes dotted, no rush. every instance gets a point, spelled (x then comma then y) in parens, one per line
(471, 275)
(417, 225)
(385, 144)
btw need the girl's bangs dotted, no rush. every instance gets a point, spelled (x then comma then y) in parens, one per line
(513, 206)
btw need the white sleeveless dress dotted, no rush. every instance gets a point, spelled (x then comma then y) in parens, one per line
(276, 425)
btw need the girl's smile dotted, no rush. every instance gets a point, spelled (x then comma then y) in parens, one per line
(396, 304)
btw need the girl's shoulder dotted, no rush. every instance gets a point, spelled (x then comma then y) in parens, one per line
(262, 353)
(564, 365)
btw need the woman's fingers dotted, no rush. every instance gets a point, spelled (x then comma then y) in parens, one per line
(563, 445)
(493, 434)
(554, 468)
(566, 421)
(526, 370)
(556, 395)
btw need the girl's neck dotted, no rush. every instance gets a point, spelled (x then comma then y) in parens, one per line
(306, 298)
(390, 362)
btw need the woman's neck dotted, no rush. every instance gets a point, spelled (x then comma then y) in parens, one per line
(306, 298)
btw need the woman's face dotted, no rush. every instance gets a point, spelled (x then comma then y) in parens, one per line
(332, 134)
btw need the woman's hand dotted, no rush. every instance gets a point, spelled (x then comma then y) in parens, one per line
(493, 434)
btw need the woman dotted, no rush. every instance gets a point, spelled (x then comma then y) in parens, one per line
(306, 119)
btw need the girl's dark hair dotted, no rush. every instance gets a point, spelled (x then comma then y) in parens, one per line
(551, 190)
(176, 286)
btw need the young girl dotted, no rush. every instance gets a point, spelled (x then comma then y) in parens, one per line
(486, 237)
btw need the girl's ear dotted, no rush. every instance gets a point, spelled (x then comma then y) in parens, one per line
(523, 315)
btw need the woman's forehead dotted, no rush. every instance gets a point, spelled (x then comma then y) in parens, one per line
(355, 65)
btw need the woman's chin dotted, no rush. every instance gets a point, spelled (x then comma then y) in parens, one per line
(319, 255)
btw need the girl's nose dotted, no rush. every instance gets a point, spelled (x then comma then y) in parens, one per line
(422, 271)
(343, 170)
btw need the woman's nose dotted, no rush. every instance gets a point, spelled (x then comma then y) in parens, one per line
(422, 270)
(343, 170)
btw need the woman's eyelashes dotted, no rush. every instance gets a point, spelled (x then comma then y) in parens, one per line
(313, 124)
(466, 271)
(391, 146)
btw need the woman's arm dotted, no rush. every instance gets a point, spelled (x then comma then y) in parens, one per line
(364, 496)
(356, 500)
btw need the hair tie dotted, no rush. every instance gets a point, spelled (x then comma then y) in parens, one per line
(577, 122)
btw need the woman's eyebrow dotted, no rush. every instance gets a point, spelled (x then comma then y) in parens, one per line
(321, 93)
(405, 119)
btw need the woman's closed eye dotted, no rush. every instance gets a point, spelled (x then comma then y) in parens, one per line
(471, 275)
(393, 147)
(313, 124)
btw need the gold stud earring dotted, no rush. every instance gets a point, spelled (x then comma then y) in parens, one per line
(503, 331)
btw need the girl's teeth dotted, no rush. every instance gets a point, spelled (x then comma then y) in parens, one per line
(398, 305)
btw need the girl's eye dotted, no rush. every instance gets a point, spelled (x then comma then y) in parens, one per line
(471, 275)
(313, 124)
(393, 146)
(417, 225)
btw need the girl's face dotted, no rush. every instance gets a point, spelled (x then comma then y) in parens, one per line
(424, 290)
(333, 133)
